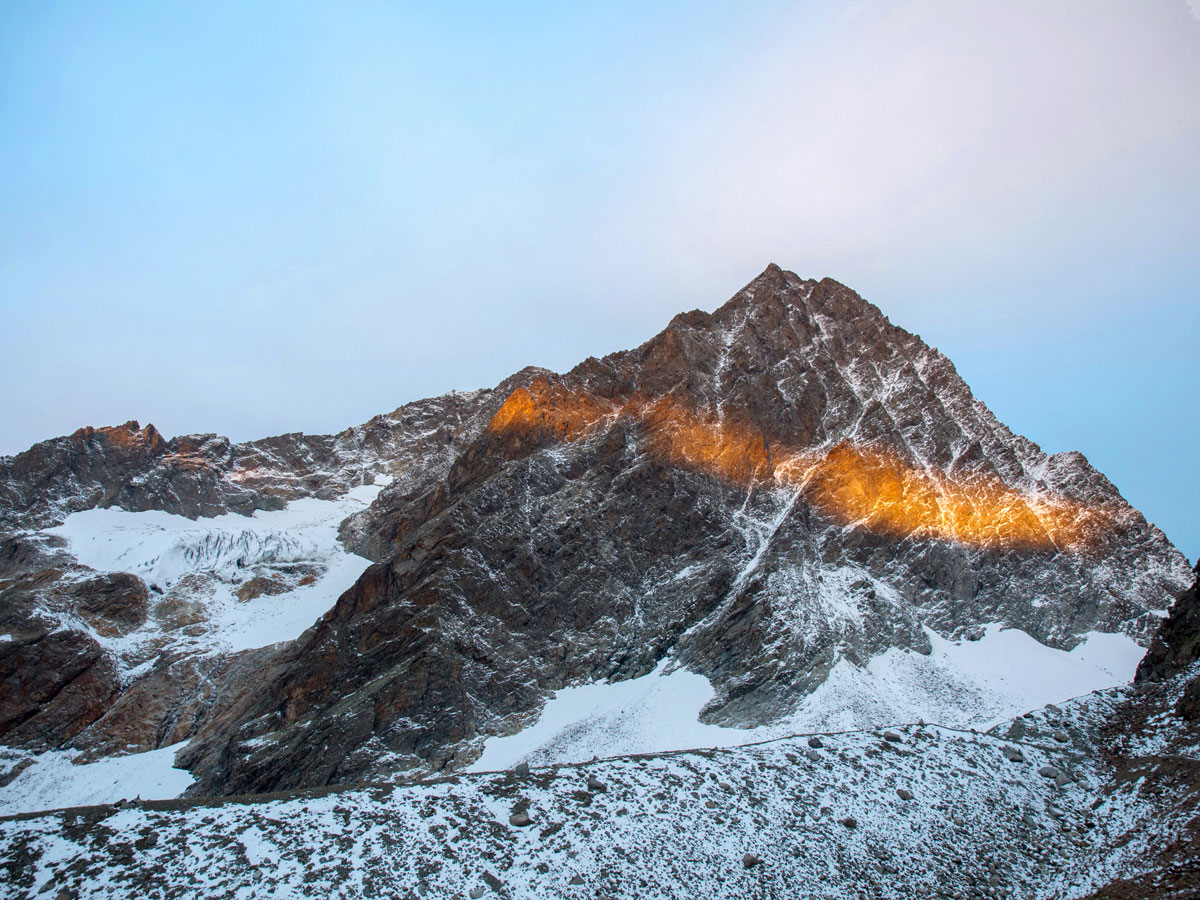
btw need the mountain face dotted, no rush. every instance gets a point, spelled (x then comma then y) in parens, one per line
(1098, 798)
(774, 496)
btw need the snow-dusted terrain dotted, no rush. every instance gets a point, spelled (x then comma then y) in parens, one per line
(922, 811)
(218, 555)
(966, 684)
(226, 552)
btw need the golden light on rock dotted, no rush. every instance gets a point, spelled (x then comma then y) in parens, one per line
(870, 487)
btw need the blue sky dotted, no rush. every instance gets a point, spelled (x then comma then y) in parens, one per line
(252, 218)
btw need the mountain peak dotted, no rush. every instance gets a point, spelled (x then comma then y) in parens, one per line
(763, 495)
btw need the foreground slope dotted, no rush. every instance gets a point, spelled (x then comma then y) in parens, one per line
(919, 811)
(1097, 798)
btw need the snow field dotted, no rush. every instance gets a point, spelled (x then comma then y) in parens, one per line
(960, 684)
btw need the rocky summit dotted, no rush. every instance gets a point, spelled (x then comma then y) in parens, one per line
(786, 517)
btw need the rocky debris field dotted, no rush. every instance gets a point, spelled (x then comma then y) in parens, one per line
(915, 811)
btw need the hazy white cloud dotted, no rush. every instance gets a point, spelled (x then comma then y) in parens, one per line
(929, 124)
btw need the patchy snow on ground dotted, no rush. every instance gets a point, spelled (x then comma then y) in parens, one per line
(225, 551)
(967, 684)
(54, 782)
(927, 812)
(162, 548)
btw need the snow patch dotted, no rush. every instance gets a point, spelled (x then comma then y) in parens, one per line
(968, 684)
(54, 782)
(163, 548)
(659, 711)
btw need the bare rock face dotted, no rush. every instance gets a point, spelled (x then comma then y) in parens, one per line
(1175, 652)
(1176, 647)
(753, 494)
(113, 605)
(52, 686)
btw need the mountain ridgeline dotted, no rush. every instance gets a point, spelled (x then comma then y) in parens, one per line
(754, 495)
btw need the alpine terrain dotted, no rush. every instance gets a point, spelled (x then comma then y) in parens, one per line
(769, 606)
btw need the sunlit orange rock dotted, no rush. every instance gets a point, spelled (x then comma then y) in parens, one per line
(873, 488)
(549, 409)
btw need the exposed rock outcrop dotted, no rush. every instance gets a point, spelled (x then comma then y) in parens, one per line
(1176, 646)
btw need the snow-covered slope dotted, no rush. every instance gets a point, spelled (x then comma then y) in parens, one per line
(963, 684)
(921, 811)
(54, 779)
(292, 555)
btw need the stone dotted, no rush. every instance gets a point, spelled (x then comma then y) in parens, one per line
(892, 737)
(749, 861)
(1048, 772)
(55, 686)
(521, 770)
(576, 879)
(815, 742)
(1061, 736)
(476, 892)
(520, 819)
(904, 794)
(1176, 646)
(812, 755)
(113, 604)
(9, 775)
(1013, 754)
(595, 785)
(850, 822)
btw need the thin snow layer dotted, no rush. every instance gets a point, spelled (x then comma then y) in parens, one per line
(656, 712)
(53, 782)
(162, 548)
(969, 684)
(830, 822)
